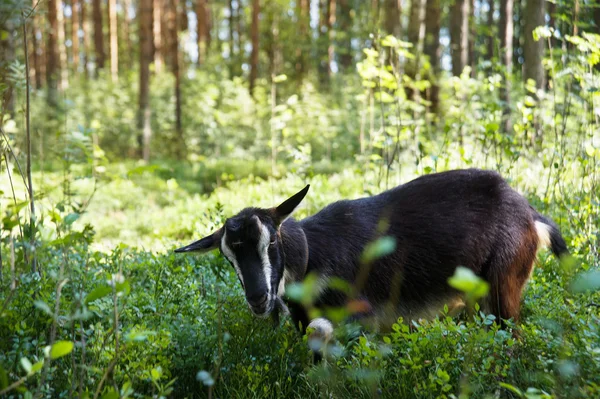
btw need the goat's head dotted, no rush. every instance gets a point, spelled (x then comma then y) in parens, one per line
(251, 242)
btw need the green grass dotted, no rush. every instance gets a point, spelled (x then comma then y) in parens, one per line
(180, 315)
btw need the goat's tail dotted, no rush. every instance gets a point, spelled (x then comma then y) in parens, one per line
(549, 235)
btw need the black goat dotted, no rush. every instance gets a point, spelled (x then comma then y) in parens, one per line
(468, 218)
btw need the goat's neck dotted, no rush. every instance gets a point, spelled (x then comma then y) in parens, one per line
(295, 248)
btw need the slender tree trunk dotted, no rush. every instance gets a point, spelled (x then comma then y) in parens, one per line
(157, 33)
(345, 35)
(303, 44)
(254, 33)
(174, 55)
(52, 62)
(114, 40)
(86, 39)
(232, 52)
(331, 14)
(459, 35)
(127, 34)
(472, 37)
(36, 50)
(7, 57)
(62, 48)
(98, 35)
(75, 33)
(506, 32)
(415, 34)
(491, 38)
(432, 49)
(534, 50)
(144, 113)
(203, 27)
(392, 12)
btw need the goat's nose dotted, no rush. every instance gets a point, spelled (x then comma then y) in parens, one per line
(257, 301)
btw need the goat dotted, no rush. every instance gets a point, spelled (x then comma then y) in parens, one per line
(469, 218)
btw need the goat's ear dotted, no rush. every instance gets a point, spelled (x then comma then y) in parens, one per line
(205, 244)
(286, 208)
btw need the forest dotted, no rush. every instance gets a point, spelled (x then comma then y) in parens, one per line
(129, 128)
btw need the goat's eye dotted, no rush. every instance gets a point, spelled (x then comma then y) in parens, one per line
(273, 242)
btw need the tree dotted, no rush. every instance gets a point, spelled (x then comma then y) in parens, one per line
(344, 35)
(114, 40)
(533, 50)
(490, 25)
(254, 32)
(174, 18)
(459, 35)
(75, 33)
(415, 33)
(303, 21)
(98, 35)
(145, 35)
(392, 17)
(36, 49)
(85, 40)
(203, 29)
(52, 60)
(506, 31)
(432, 49)
(157, 34)
(7, 56)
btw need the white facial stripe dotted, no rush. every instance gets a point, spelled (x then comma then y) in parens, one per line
(263, 252)
(231, 256)
(282, 282)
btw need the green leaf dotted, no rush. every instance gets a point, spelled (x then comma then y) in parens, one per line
(466, 281)
(26, 364)
(586, 282)
(60, 349)
(511, 388)
(43, 306)
(378, 249)
(110, 395)
(37, 366)
(97, 293)
(71, 218)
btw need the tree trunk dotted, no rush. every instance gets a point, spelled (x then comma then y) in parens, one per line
(491, 38)
(37, 48)
(254, 32)
(114, 40)
(303, 44)
(432, 49)
(98, 35)
(174, 55)
(472, 38)
(459, 35)
(203, 29)
(232, 52)
(344, 32)
(52, 60)
(534, 50)
(62, 48)
(157, 34)
(506, 32)
(415, 34)
(145, 35)
(85, 41)
(75, 33)
(127, 34)
(7, 57)
(392, 17)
